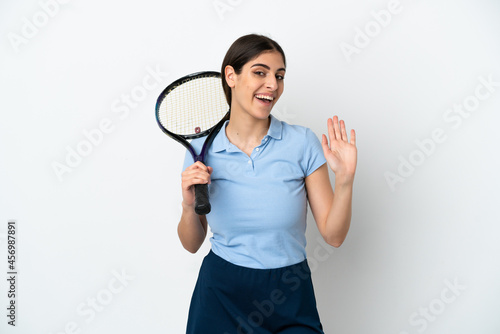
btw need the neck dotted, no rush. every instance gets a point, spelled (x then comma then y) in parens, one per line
(245, 131)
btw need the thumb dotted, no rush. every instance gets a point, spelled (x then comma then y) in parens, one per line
(324, 144)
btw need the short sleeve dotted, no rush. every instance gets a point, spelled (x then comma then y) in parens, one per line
(313, 153)
(188, 160)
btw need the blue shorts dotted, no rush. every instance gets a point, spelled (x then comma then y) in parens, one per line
(231, 299)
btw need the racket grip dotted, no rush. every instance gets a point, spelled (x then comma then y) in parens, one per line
(201, 202)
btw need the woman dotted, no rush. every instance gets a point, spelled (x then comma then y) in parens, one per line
(261, 173)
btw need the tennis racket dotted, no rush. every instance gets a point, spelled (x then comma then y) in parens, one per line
(191, 107)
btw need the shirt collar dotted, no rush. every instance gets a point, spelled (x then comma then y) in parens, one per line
(275, 129)
(221, 142)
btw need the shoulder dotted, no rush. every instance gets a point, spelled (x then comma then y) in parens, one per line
(197, 143)
(304, 142)
(297, 133)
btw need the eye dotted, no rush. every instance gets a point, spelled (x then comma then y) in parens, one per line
(260, 73)
(280, 77)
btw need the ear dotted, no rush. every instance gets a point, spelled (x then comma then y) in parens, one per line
(230, 75)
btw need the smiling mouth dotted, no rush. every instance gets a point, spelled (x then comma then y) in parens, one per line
(265, 98)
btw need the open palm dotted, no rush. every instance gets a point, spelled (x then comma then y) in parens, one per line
(340, 153)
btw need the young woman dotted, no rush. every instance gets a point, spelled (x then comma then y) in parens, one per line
(262, 172)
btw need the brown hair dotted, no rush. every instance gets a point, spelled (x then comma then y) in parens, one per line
(242, 51)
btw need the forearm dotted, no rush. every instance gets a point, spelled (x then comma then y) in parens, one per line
(339, 217)
(192, 229)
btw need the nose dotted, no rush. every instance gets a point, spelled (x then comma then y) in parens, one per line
(272, 82)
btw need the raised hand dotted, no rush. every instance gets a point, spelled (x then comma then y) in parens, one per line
(340, 154)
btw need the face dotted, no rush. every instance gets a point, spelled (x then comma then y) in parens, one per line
(259, 85)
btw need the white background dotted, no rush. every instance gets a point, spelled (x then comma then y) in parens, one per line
(116, 210)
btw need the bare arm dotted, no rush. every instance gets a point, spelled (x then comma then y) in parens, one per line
(192, 228)
(332, 209)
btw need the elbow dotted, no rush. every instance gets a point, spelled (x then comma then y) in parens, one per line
(191, 248)
(190, 245)
(334, 242)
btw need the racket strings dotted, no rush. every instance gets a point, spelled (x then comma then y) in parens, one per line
(194, 106)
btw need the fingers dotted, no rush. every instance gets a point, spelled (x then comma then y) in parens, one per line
(324, 144)
(337, 130)
(197, 173)
(342, 129)
(198, 165)
(331, 131)
(334, 130)
(353, 137)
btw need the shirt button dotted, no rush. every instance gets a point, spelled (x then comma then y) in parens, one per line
(249, 161)
(257, 149)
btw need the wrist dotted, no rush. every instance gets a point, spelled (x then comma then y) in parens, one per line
(187, 207)
(344, 180)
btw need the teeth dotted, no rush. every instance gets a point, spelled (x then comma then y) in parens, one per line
(266, 97)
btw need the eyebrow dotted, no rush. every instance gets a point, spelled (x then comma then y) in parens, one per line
(267, 67)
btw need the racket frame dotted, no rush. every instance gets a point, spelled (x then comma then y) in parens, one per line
(183, 139)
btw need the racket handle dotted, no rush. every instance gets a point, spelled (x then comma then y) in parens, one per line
(201, 202)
